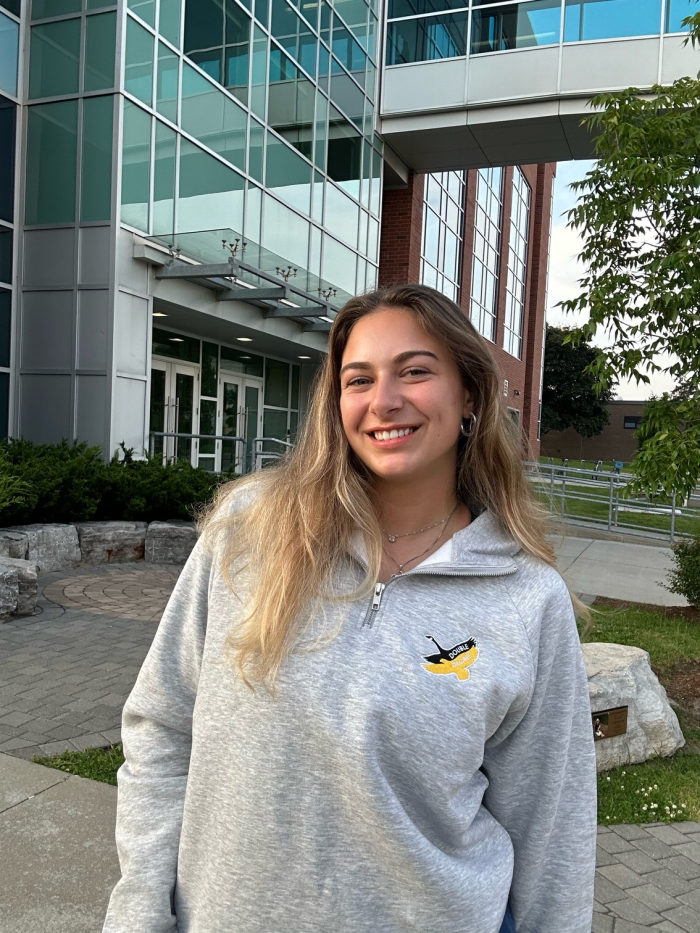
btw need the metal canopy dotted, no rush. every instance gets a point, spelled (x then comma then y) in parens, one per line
(254, 282)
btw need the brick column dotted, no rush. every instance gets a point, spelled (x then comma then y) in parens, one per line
(402, 233)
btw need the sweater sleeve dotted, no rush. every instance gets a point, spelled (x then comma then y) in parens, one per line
(157, 735)
(542, 782)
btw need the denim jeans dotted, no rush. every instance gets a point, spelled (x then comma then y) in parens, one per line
(508, 925)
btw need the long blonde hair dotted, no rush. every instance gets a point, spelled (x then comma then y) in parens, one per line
(294, 532)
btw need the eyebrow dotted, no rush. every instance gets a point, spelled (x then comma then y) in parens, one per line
(401, 358)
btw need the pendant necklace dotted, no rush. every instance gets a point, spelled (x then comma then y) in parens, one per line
(408, 534)
(429, 547)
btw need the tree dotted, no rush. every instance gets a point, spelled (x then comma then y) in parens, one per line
(639, 216)
(568, 396)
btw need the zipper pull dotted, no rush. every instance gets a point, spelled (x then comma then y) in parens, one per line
(377, 598)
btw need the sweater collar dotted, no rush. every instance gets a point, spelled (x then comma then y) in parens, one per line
(484, 544)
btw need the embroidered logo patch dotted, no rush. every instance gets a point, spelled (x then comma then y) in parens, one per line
(456, 660)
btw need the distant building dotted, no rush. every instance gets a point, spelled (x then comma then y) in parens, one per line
(615, 442)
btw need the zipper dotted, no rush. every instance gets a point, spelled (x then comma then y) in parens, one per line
(380, 588)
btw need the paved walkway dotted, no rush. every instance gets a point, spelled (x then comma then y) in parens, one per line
(64, 676)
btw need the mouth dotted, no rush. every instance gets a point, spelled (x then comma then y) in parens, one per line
(391, 437)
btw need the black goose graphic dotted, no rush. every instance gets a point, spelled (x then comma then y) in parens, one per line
(455, 660)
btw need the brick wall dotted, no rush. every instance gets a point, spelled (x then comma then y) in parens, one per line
(399, 261)
(615, 442)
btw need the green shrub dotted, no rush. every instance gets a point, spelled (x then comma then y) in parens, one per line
(685, 577)
(71, 483)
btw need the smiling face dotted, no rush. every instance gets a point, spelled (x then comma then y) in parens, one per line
(402, 398)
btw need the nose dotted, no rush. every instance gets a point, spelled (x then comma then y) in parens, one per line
(387, 396)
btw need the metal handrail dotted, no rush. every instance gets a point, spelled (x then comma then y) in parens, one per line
(189, 437)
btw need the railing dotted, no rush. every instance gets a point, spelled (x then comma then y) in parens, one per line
(596, 497)
(260, 456)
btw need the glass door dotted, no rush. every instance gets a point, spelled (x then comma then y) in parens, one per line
(173, 409)
(240, 417)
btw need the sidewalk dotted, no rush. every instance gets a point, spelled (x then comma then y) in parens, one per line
(66, 672)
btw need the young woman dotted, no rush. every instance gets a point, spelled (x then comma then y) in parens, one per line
(365, 709)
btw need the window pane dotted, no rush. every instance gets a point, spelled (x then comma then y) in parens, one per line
(277, 384)
(43, 8)
(285, 233)
(291, 103)
(610, 19)
(99, 51)
(295, 387)
(55, 59)
(146, 9)
(12, 5)
(166, 83)
(211, 195)
(237, 54)
(5, 302)
(5, 255)
(419, 40)
(339, 265)
(258, 73)
(210, 369)
(209, 62)
(9, 43)
(51, 163)
(676, 12)
(288, 175)
(416, 7)
(96, 183)
(517, 26)
(136, 160)
(207, 425)
(255, 151)
(177, 346)
(344, 152)
(239, 361)
(138, 75)
(164, 179)
(274, 425)
(347, 95)
(98, 4)
(342, 215)
(213, 117)
(7, 158)
(204, 25)
(169, 22)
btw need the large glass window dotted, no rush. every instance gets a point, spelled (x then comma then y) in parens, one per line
(610, 19)
(443, 227)
(54, 63)
(96, 181)
(5, 317)
(6, 255)
(212, 117)
(136, 161)
(399, 8)
(517, 264)
(487, 248)
(9, 44)
(432, 37)
(12, 5)
(237, 51)
(169, 21)
(138, 74)
(344, 152)
(291, 102)
(8, 110)
(100, 45)
(166, 82)
(45, 8)
(164, 179)
(210, 193)
(516, 26)
(288, 175)
(146, 9)
(676, 12)
(51, 163)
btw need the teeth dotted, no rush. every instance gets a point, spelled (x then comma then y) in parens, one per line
(394, 433)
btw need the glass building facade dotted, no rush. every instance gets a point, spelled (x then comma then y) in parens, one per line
(443, 231)
(9, 73)
(425, 30)
(488, 223)
(517, 263)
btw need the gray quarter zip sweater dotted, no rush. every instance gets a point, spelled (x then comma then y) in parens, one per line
(430, 762)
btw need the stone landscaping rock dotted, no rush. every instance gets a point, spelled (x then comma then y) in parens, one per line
(169, 542)
(9, 592)
(27, 585)
(111, 542)
(621, 675)
(13, 544)
(50, 547)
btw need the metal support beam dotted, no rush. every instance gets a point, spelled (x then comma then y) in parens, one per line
(186, 270)
(317, 325)
(306, 311)
(275, 293)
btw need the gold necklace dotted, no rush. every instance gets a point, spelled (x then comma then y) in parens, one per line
(430, 546)
(408, 534)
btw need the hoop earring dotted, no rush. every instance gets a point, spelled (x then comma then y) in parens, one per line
(472, 422)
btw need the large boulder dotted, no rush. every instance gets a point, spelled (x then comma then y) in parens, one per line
(621, 675)
(170, 542)
(13, 544)
(50, 547)
(111, 542)
(18, 588)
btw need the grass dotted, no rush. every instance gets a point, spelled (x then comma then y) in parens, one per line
(669, 788)
(98, 764)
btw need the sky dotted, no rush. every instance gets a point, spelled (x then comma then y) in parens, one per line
(565, 270)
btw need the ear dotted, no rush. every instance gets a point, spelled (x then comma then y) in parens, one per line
(468, 404)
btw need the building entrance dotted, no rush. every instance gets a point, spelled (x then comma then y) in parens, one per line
(240, 417)
(174, 390)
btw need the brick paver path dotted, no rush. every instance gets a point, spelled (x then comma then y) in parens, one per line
(66, 672)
